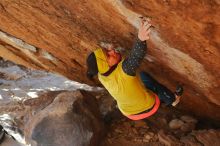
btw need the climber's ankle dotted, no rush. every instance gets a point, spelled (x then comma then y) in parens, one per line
(176, 101)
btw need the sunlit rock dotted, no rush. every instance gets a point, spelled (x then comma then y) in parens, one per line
(57, 37)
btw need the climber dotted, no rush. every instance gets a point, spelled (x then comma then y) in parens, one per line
(138, 95)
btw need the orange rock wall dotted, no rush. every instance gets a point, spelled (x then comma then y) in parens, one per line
(58, 35)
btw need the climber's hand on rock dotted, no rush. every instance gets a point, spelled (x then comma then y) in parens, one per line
(144, 30)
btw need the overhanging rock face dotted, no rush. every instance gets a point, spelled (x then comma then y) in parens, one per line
(58, 35)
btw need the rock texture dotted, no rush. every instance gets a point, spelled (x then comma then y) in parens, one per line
(21, 83)
(123, 132)
(58, 35)
(8, 141)
(154, 131)
(73, 118)
(70, 120)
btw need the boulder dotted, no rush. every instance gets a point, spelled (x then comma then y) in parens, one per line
(72, 119)
(175, 124)
(188, 119)
(187, 127)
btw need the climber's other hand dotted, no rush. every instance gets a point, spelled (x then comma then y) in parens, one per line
(145, 29)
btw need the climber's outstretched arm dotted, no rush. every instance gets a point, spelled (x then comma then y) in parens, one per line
(132, 62)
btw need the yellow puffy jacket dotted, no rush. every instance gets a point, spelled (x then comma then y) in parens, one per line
(129, 92)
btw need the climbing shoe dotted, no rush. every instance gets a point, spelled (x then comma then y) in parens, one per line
(179, 90)
(178, 93)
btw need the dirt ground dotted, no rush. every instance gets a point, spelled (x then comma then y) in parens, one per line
(154, 131)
